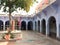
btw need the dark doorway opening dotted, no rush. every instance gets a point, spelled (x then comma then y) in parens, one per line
(6, 25)
(38, 26)
(30, 25)
(52, 27)
(23, 25)
(44, 26)
(1, 25)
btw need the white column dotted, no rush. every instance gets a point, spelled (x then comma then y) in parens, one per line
(4, 25)
(33, 25)
(58, 32)
(37, 25)
(40, 27)
(47, 29)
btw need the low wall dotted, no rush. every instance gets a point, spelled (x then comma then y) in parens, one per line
(17, 36)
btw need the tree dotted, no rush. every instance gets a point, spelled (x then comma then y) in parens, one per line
(14, 4)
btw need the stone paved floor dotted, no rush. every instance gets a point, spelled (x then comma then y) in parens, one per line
(34, 38)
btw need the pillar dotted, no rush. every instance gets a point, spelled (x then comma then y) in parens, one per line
(58, 31)
(19, 25)
(4, 25)
(33, 25)
(47, 28)
(37, 25)
(40, 27)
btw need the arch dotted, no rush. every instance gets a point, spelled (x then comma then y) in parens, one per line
(6, 24)
(30, 25)
(38, 25)
(52, 27)
(23, 25)
(43, 26)
(1, 25)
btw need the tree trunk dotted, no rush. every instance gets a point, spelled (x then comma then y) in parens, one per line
(10, 19)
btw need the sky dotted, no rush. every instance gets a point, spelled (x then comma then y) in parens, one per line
(32, 10)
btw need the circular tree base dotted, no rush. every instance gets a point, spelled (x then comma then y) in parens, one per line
(18, 36)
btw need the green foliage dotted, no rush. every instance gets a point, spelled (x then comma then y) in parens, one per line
(3, 36)
(12, 36)
(14, 4)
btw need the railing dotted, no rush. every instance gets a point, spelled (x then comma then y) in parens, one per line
(1, 27)
(6, 26)
(16, 27)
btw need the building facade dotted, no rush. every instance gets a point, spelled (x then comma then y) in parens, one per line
(49, 20)
(46, 21)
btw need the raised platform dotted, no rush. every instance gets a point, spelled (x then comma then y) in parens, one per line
(17, 34)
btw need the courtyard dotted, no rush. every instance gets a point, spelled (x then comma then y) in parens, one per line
(35, 38)
(38, 21)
